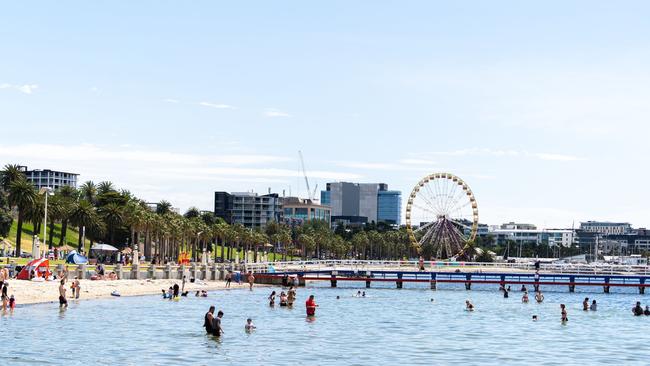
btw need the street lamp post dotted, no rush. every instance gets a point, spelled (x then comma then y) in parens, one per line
(46, 191)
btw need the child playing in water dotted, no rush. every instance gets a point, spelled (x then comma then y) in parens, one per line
(12, 303)
(249, 325)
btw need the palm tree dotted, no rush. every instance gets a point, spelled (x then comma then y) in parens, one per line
(163, 207)
(67, 196)
(192, 212)
(89, 191)
(105, 187)
(10, 173)
(83, 216)
(22, 195)
(113, 217)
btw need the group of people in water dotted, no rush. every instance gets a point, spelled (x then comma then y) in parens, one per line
(638, 310)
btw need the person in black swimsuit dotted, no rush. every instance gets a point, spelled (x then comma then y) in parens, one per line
(208, 320)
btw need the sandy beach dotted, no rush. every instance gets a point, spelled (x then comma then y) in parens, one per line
(28, 292)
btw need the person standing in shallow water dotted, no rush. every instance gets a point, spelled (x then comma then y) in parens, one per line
(585, 304)
(637, 310)
(217, 331)
(63, 302)
(311, 306)
(565, 318)
(291, 296)
(208, 320)
(593, 306)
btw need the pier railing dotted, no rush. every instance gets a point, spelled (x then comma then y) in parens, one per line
(477, 267)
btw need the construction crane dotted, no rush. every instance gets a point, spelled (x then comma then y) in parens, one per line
(310, 194)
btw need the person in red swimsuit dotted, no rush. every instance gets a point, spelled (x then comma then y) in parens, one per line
(311, 306)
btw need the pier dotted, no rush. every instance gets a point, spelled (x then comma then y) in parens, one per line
(459, 276)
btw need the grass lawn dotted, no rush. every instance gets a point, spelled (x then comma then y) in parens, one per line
(71, 237)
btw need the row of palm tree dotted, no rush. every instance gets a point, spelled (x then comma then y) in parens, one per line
(102, 213)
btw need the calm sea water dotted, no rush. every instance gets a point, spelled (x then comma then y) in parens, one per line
(389, 326)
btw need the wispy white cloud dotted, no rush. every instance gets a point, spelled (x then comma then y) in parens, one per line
(506, 153)
(216, 105)
(272, 112)
(25, 88)
(417, 162)
(557, 157)
(89, 152)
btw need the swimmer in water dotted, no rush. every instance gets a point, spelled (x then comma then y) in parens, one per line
(585, 304)
(469, 306)
(637, 310)
(524, 298)
(539, 297)
(647, 310)
(534, 318)
(283, 299)
(363, 294)
(593, 306)
(523, 288)
(272, 299)
(358, 294)
(249, 325)
(564, 313)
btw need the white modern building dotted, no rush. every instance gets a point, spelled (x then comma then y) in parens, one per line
(606, 227)
(41, 178)
(532, 235)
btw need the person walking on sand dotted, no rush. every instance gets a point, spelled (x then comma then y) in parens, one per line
(228, 278)
(251, 280)
(63, 302)
(77, 286)
(311, 306)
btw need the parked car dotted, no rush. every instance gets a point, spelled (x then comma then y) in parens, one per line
(25, 255)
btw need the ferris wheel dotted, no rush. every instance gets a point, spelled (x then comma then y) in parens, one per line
(441, 215)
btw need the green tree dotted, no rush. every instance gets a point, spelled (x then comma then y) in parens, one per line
(22, 196)
(9, 174)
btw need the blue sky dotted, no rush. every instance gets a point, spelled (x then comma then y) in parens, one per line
(541, 108)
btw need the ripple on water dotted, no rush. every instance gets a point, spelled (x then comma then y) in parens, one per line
(387, 327)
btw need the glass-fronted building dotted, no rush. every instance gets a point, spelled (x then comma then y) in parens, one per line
(389, 207)
(359, 203)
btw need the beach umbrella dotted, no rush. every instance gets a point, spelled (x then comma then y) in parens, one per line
(103, 247)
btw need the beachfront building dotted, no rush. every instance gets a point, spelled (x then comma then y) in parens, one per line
(54, 179)
(360, 203)
(248, 208)
(299, 210)
(529, 234)
(606, 227)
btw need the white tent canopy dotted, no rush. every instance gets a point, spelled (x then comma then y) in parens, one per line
(104, 247)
